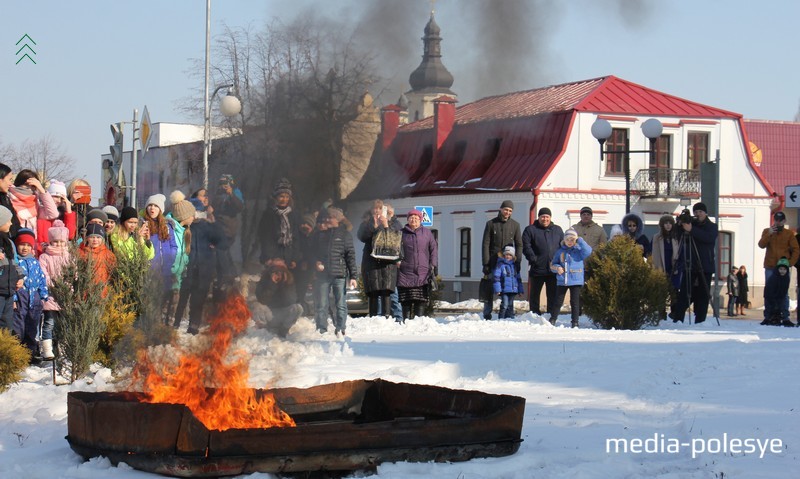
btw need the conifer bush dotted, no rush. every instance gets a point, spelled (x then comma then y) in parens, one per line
(14, 358)
(624, 292)
(80, 326)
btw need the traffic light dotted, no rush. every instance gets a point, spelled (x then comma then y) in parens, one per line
(116, 148)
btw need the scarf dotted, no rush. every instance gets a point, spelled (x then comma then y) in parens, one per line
(54, 250)
(285, 235)
(24, 201)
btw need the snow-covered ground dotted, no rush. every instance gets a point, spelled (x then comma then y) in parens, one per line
(700, 401)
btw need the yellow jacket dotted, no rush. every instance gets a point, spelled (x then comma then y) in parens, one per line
(780, 244)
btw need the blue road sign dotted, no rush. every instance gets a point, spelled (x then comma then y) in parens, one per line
(427, 215)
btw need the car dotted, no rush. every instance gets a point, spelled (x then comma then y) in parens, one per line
(356, 302)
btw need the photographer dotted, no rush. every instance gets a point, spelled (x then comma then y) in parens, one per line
(699, 239)
(780, 242)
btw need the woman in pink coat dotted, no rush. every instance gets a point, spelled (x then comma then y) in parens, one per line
(31, 200)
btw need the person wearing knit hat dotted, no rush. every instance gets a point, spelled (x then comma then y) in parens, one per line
(591, 232)
(283, 186)
(96, 215)
(32, 294)
(779, 242)
(507, 282)
(57, 232)
(182, 209)
(111, 212)
(5, 215)
(55, 256)
(416, 213)
(94, 229)
(127, 213)
(280, 227)
(498, 232)
(57, 189)
(567, 264)
(129, 234)
(157, 200)
(696, 287)
(539, 242)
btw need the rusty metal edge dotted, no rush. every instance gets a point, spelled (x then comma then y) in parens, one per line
(362, 459)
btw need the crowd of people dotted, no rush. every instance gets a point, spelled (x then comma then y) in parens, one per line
(187, 243)
(683, 248)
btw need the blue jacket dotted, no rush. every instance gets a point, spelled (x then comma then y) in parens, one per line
(35, 281)
(506, 278)
(165, 253)
(571, 259)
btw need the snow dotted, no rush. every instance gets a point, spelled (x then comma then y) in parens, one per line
(693, 385)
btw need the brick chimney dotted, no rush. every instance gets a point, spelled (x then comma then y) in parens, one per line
(390, 123)
(444, 115)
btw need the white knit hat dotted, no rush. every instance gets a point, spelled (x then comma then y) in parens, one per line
(158, 200)
(57, 188)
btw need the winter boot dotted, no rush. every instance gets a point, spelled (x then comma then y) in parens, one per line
(575, 324)
(46, 348)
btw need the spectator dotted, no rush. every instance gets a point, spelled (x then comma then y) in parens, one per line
(279, 227)
(9, 275)
(381, 254)
(58, 192)
(540, 241)
(416, 272)
(499, 232)
(696, 289)
(6, 182)
(335, 264)
(733, 290)
(79, 194)
(507, 282)
(775, 291)
(228, 205)
(31, 201)
(95, 248)
(633, 226)
(277, 292)
(32, 295)
(741, 297)
(666, 245)
(164, 239)
(203, 208)
(304, 272)
(567, 263)
(592, 233)
(397, 309)
(780, 242)
(128, 234)
(112, 215)
(53, 259)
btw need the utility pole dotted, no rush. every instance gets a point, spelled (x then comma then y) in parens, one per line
(132, 201)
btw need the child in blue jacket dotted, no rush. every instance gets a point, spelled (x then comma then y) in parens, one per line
(32, 295)
(507, 282)
(568, 265)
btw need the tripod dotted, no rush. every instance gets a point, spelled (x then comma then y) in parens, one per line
(689, 250)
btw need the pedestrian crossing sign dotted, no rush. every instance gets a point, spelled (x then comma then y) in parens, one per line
(427, 215)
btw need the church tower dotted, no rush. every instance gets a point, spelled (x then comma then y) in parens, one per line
(431, 79)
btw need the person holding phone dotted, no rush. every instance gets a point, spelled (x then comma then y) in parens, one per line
(780, 242)
(31, 201)
(131, 232)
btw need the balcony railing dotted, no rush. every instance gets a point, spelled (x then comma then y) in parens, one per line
(666, 182)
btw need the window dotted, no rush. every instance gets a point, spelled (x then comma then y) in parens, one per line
(697, 152)
(725, 254)
(464, 249)
(663, 147)
(615, 162)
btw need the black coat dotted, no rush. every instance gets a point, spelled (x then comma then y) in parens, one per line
(334, 249)
(705, 239)
(269, 231)
(206, 239)
(497, 234)
(539, 244)
(6, 201)
(379, 275)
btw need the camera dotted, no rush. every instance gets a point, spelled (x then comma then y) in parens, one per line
(685, 217)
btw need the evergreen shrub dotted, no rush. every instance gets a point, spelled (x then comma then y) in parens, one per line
(14, 358)
(624, 292)
(80, 326)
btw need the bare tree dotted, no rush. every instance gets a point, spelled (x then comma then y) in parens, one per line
(302, 87)
(45, 156)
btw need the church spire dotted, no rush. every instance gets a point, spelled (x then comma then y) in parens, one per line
(431, 76)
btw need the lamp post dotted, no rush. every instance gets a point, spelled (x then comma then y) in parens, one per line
(229, 106)
(601, 130)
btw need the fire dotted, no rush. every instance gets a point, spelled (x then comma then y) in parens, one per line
(210, 384)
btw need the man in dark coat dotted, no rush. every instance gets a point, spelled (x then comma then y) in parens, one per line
(498, 233)
(699, 243)
(280, 228)
(540, 241)
(335, 263)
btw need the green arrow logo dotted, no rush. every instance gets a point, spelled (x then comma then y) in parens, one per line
(23, 47)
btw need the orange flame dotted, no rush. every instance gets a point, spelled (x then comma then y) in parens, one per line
(215, 390)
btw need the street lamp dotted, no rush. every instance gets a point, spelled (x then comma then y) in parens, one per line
(601, 130)
(229, 106)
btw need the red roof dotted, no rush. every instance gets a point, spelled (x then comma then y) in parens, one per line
(510, 142)
(778, 144)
